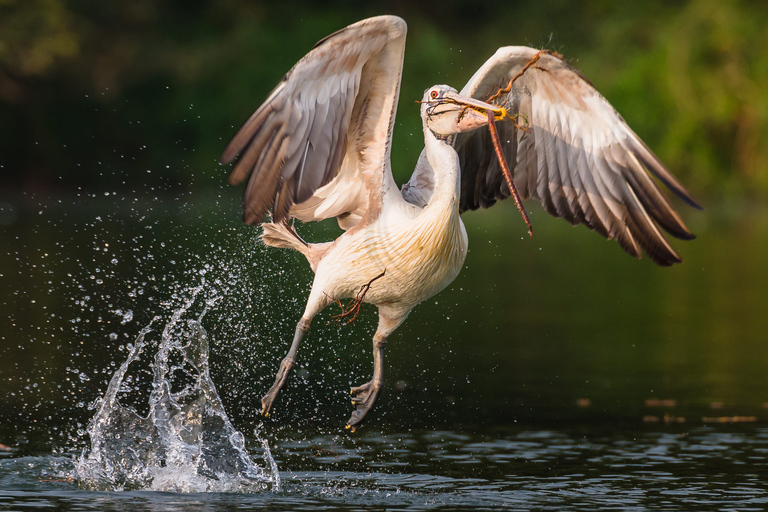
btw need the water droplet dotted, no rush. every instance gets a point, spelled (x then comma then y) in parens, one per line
(127, 317)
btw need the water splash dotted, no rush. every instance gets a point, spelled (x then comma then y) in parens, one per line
(186, 442)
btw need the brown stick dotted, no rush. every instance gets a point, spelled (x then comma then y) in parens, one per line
(350, 312)
(536, 57)
(505, 171)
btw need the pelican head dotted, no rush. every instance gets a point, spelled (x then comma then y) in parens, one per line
(446, 112)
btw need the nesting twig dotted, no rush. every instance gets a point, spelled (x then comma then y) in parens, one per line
(495, 133)
(535, 58)
(505, 171)
(353, 308)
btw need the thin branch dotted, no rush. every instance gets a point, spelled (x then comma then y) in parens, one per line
(351, 310)
(505, 171)
(535, 58)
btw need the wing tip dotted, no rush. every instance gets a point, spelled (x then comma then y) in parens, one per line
(252, 217)
(652, 163)
(395, 25)
(693, 203)
(227, 156)
(687, 236)
(682, 193)
(662, 257)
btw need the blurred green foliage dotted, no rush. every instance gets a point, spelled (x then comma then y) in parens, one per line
(97, 94)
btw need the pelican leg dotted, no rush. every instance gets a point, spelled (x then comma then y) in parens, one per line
(363, 397)
(285, 367)
(317, 302)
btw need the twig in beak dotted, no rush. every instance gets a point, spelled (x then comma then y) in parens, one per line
(505, 170)
(536, 57)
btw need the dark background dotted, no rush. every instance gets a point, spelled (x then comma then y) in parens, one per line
(87, 88)
(112, 119)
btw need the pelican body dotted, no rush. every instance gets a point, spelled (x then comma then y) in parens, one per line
(319, 148)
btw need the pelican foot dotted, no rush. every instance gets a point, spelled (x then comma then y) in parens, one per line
(267, 401)
(280, 381)
(363, 398)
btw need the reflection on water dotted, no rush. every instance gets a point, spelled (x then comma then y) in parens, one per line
(542, 469)
(530, 329)
(614, 373)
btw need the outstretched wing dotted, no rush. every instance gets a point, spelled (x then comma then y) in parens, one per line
(319, 145)
(571, 151)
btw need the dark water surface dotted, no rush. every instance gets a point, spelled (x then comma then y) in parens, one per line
(584, 467)
(556, 372)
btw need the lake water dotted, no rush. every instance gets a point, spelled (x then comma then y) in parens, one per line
(533, 468)
(556, 373)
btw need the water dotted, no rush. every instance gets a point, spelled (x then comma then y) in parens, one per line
(186, 442)
(555, 374)
(572, 468)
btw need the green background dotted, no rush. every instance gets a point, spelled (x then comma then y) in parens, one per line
(85, 85)
(112, 119)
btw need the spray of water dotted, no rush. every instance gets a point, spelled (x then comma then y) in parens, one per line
(186, 442)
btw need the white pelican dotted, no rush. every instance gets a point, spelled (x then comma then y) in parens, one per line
(319, 148)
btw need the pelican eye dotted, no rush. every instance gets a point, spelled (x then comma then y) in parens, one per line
(433, 94)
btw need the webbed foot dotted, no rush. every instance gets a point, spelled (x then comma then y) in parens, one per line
(363, 398)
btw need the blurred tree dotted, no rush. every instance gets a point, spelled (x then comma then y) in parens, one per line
(117, 94)
(716, 73)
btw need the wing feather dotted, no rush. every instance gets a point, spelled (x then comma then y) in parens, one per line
(312, 128)
(592, 202)
(575, 155)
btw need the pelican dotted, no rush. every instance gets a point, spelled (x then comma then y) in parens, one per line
(319, 148)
